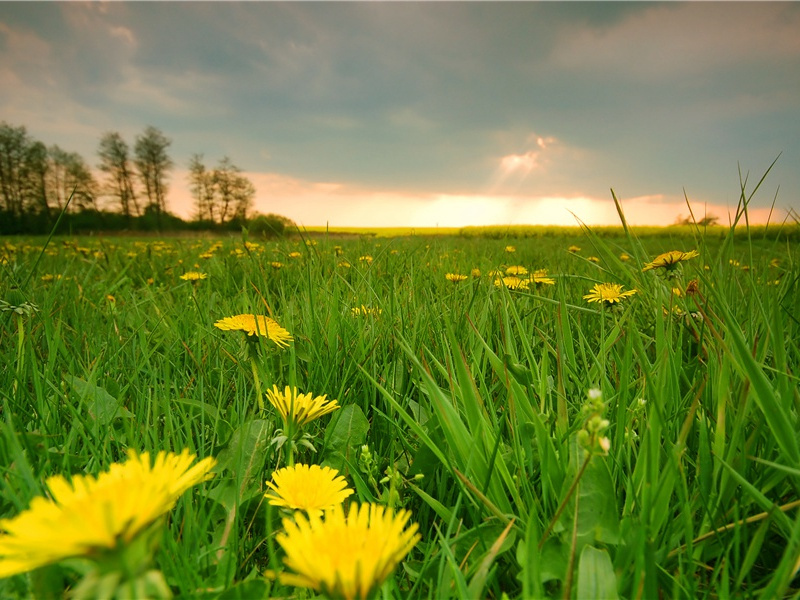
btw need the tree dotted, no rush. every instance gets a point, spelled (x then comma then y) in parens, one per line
(153, 163)
(234, 192)
(115, 161)
(14, 148)
(201, 181)
(69, 175)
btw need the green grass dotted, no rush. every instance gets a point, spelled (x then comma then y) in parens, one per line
(474, 396)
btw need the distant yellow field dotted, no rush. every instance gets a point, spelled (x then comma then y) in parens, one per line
(385, 231)
(527, 231)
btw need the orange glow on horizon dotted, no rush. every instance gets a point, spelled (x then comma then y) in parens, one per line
(342, 205)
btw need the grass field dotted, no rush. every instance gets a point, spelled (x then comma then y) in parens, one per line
(545, 445)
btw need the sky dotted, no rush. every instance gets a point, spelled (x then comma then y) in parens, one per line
(431, 114)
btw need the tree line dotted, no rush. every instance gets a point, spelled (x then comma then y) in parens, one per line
(36, 182)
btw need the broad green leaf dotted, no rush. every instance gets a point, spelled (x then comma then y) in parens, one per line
(596, 577)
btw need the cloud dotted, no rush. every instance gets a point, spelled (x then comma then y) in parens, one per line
(680, 40)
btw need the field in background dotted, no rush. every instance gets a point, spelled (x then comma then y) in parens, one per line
(547, 446)
(785, 231)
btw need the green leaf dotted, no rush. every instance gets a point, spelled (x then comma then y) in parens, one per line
(247, 449)
(102, 406)
(596, 577)
(349, 430)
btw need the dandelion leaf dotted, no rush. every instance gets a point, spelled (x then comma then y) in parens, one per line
(596, 577)
(344, 434)
(102, 406)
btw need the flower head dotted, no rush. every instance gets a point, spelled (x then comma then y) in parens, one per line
(299, 409)
(256, 325)
(540, 278)
(309, 488)
(670, 260)
(371, 311)
(516, 270)
(574, 249)
(348, 556)
(91, 515)
(193, 276)
(455, 277)
(607, 293)
(510, 249)
(512, 282)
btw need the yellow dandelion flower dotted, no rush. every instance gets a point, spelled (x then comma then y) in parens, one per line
(367, 259)
(295, 254)
(455, 277)
(256, 325)
(193, 276)
(669, 260)
(574, 249)
(607, 293)
(512, 283)
(207, 255)
(346, 556)
(343, 264)
(516, 270)
(593, 259)
(624, 257)
(91, 515)
(337, 250)
(496, 274)
(308, 488)
(510, 249)
(358, 311)
(540, 277)
(276, 265)
(298, 409)
(475, 272)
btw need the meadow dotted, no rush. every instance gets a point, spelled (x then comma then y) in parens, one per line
(545, 445)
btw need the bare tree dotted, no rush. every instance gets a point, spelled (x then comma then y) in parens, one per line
(234, 192)
(202, 184)
(68, 174)
(14, 146)
(115, 161)
(153, 163)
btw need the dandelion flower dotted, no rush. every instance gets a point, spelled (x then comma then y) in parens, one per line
(298, 409)
(593, 259)
(574, 249)
(348, 556)
(455, 277)
(91, 515)
(276, 264)
(607, 293)
(362, 310)
(516, 270)
(510, 249)
(308, 488)
(295, 254)
(475, 272)
(256, 325)
(669, 260)
(624, 257)
(512, 283)
(193, 276)
(367, 259)
(540, 277)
